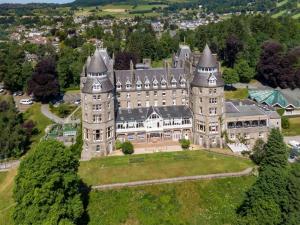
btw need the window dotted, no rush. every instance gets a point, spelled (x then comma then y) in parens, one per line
(200, 110)
(215, 90)
(200, 100)
(174, 102)
(174, 92)
(97, 87)
(139, 104)
(182, 83)
(138, 84)
(128, 95)
(213, 100)
(147, 103)
(212, 111)
(213, 127)
(97, 118)
(98, 149)
(174, 83)
(94, 97)
(201, 126)
(97, 107)
(119, 86)
(139, 94)
(98, 135)
(109, 132)
(183, 101)
(210, 91)
(98, 97)
(155, 84)
(163, 93)
(155, 103)
(147, 93)
(163, 83)
(128, 85)
(155, 93)
(128, 105)
(186, 121)
(108, 105)
(86, 134)
(109, 116)
(163, 102)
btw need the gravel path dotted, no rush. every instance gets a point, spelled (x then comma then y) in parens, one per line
(6, 166)
(46, 111)
(246, 172)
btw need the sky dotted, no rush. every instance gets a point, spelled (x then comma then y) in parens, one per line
(35, 1)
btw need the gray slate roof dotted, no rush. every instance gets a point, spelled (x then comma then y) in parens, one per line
(97, 64)
(151, 74)
(141, 114)
(207, 59)
(183, 51)
(202, 80)
(106, 85)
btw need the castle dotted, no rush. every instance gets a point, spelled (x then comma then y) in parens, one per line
(184, 100)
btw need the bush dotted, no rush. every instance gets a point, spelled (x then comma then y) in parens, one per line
(258, 152)
(185, 144)
(280, 111)
(285, 123)
(127, 148)
(118, 144)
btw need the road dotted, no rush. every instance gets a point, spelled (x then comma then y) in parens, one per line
(246, 172)
(6, 166)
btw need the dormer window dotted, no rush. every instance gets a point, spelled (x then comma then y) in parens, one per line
(147, 83)
(97, 87)
(212, 81)
(174, 82)
(182, 82)
(155, 83)
(163, 83)
(128, 85)
(119, 85)
(138, 84)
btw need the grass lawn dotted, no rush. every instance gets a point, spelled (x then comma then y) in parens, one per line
(63, 110)
(210, 202)
(6, 199)
(294, 127)
(157, 165)
(34, 113)
(279, 4)
(240, 93)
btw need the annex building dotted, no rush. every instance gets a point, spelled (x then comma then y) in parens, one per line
(182, 100)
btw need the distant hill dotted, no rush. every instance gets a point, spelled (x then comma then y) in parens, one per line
(97, 2)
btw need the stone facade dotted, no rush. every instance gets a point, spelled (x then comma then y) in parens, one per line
(146, 105)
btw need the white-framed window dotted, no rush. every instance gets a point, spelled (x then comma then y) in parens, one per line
(174, 101)
(163, 102)
(213, 100)
(163, 93)
(128, 85)
(97, 107)
(98, 135)
(155, 84)
(98, 148)
(163, 83)
(174, 82)
(212, 111)
(155, 93)
(97, 87)
(119, 85)
(138, 84)
(109, 132)
(97, 118)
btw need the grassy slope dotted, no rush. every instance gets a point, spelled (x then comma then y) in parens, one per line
(211, 202)
(34, 113)
(6, 200)
(158, 165)
(294, 127)
(241, 93)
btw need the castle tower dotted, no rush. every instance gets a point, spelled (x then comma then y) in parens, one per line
(98, 117)
(207, 101)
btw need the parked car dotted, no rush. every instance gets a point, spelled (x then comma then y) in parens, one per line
(18, 93)
(77, 102)
(1, 90)
(26, 102)
(294, 144)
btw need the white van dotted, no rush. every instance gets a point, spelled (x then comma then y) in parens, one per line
(26, 102)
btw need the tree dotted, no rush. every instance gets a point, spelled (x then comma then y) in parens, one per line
(244, 71)
(122, 60)
(127, 148)
(267, 199)
(47, 187)
(43, 83)
(258, 152)
(293, 216)
(232, 47)
(230, 76)
(285, 123)
(14, 139)
(268, 68)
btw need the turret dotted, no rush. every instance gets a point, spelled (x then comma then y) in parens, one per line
(206, 100)
(98, 117)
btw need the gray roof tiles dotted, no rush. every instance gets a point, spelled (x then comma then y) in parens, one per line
(138, 114)
(106, 85)
(207, 59)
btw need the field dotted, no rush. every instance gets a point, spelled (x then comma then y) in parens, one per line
(119, 10)
(157, 165)
(241, 93)
(6, 200)
(294, 127)
(211, 202)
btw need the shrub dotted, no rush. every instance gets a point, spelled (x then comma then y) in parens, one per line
(185, 144)
(258, 152)
(285, 123)
(118, 144)
(280, 111)
(127, 148)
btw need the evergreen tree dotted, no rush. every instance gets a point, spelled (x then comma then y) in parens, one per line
(267, 199)
(244, 71)
(230, 76)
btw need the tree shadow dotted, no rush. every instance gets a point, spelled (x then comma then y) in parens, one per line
(229, 88)
(85, 191)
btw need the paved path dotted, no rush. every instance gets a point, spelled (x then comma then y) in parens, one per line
(246, 172)
(46, 111)
(6, 166)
